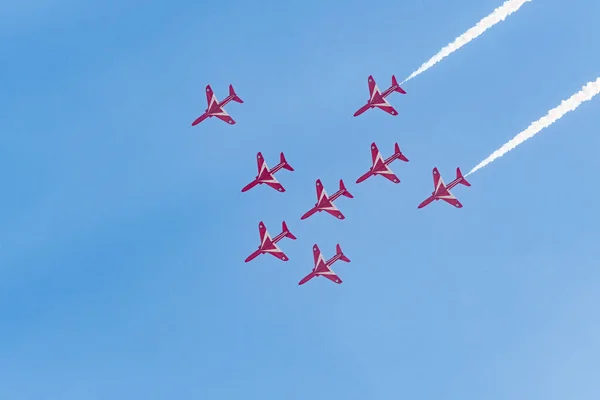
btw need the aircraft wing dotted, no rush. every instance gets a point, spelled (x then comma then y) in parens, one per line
(260, 162)
(389, 175)
(335, 212)
(320, 190)
(332, 276)
(275, 185)
(210, 96)
(262, 230)
(223, 116)
(387, 108)
(374, 153)
(451, 200)
(317, 255)
(373, 89)
(437, 179)
(278, 253)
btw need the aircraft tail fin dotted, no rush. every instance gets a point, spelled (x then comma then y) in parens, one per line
(285, 229)
(461, 178)
(339, 252)
(398, 88)
(345, 191)
(284, 162)
(236, 98)
(399, 154)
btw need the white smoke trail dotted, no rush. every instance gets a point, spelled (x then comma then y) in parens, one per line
(498, 15)
(586, 93)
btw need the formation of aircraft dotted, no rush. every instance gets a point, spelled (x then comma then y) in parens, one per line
(215, 109)
(379, 166)
(325, 203)
(265, 175)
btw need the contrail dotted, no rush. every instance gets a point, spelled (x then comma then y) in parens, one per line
(586, 93)
(498, 15)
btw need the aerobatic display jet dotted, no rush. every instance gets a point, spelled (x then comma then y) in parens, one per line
(325, 203)
(268, 245)
(265, 175)
(322, 267)
(380, 166)
(441, 191)
(377, 99)
(215, 109)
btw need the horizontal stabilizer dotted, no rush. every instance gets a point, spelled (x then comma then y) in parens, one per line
(395, 83)
(399, 154)
(345, 191)
(235, 96)
(284, 162)
(338, 251)
(461, 178)
(287, 232)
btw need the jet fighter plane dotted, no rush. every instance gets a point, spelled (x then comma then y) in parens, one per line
(265, 175)
(377, 99)
(215, 109)
(325, 203)
(441, 191)
(380, 166)
(323, 268)
(268, 245)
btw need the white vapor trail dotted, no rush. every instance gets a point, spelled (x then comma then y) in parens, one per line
(586, 93)
(498, 15)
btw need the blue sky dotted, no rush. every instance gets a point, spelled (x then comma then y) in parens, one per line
(124, 231)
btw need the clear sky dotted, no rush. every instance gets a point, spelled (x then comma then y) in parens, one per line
(123, 230)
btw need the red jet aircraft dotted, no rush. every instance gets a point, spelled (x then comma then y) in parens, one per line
(268, 245)
(322, 267)
(325, 203)
(442, 191)
(215, 109)
(380, 166)
(377, 99)
(265, 175)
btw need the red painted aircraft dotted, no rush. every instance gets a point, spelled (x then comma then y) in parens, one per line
(441, 191)
(380, 166)
(268, 245)
(265, 175)
(325, 203)
(322, 267)
(215, 109)
(377, 99)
